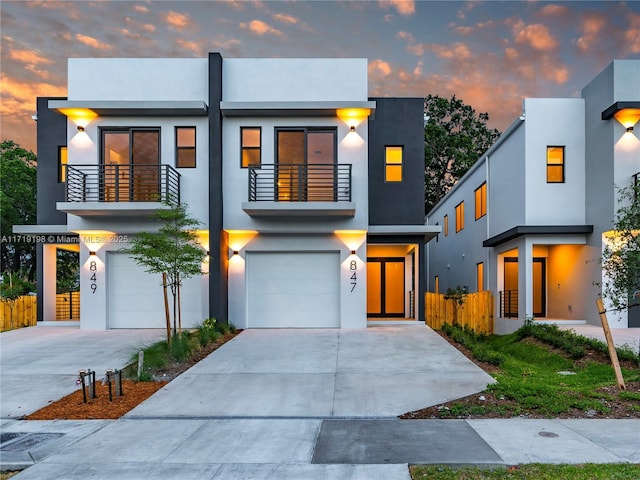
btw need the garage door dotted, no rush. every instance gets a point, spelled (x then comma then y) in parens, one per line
(135, 300)
(299, 290)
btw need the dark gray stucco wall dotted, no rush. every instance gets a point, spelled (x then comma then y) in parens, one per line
(51, 134)
(218, 243)
(397, 122)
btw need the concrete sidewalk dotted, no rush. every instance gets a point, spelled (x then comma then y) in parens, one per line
(622, 337)
(304, 404)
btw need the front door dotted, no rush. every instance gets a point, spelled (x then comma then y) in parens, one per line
(511, 287)
(385, 287)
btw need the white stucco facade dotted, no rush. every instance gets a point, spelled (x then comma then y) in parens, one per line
(542, 239)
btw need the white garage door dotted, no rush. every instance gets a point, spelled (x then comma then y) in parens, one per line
(135, 298)
(299, 290)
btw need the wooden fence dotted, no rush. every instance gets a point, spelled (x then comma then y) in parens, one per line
(476, 312)
(24, 313)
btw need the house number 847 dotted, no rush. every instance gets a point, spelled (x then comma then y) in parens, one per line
(93, 268)
(354, 278)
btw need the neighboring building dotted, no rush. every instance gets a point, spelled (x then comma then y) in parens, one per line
(530, 218)
(310, 193)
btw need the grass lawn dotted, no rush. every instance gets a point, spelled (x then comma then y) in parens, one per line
(531, 471)
(544, 372)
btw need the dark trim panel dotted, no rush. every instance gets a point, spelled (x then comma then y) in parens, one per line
(218, 239)
(521, 230)
(616, 107)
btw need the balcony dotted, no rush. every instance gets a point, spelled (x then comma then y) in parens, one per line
(119, 189)
(300, 190)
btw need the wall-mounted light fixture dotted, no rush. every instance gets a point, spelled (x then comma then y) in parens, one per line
(352, 128)
(80, 128)
(207, 253)
(236, 252)
(92, 253)
(353, 252)
(629, 129)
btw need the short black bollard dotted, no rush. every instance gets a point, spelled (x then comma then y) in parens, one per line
(81, 375)
(116, 377)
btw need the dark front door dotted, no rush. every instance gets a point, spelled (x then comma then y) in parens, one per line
(385, 287)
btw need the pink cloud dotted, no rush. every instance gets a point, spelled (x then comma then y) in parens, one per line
(632, 34)
(258, 27)
(140, 8)
(591, 26)
(92, 42)
(457, 51)
(284, 18)
(379, 66)
(554, 10)
(193, 46)
(403, 7)
(30, 57)
(177, 20)
(535, 35)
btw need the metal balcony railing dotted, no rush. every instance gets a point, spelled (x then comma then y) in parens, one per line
(122, 183)
(508, 303)
(300, 183)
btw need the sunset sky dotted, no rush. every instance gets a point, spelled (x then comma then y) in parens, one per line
(490, 54)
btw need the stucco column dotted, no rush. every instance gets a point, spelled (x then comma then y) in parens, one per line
(525, 279)
(49, 283)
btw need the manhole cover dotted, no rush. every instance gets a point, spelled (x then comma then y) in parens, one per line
(8, 436)
(548, 434)
(29, 440)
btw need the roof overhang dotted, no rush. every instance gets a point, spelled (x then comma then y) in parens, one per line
(618, 107)
(521, 230)
(428, 231)
(117, 108)
(295, 109)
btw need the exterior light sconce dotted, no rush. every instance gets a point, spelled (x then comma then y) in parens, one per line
(353, 252)
(80, 128)
(629, 129)
(234, 253)
(207, 253)
(352, 128)
(92, 253)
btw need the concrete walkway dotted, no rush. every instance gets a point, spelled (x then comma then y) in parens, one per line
(622, 337)
(305, 404)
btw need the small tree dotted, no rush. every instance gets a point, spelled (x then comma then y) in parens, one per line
(621, 255)
(173, 251)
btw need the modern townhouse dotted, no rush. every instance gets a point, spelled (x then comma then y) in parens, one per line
(530, 219)
(309, 192)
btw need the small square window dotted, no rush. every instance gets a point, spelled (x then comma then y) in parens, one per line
(186, 147)
(251, 138)
(555, 164)
(393, 164)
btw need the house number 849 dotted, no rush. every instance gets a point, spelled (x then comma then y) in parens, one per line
(93, 268)
(354, 278)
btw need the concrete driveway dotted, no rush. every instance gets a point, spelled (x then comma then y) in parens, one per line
(40, 364)
(381, 371)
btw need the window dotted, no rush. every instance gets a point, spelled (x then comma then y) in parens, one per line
(481, 201)
(436, 284)
(480, 276)
(392, 164)
(62, 164)
(131, 161)
(555, 164)
(306, 159)
(459, 217)
(186, 147)
(445, 225)
(250, 138)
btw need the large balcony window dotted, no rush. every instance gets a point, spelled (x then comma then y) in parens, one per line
(129, 171)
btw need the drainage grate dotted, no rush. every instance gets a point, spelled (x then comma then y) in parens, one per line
(8, 436)
(29, 440)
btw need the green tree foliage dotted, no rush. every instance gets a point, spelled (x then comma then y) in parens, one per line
(621, 256)
(18, 207)
(67, 271)
(172, 250)
(454, 139)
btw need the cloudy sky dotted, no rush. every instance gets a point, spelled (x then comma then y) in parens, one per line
(490, 54)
